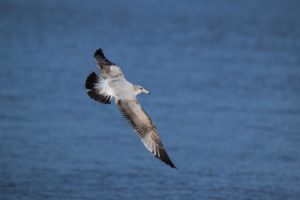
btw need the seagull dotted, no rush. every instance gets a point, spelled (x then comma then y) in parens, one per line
(111, 83)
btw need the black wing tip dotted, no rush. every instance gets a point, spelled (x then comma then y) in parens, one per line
(91, 81)
(101, 59)
(173, 166)
(99, 52)
(170, 163)
(164, 157)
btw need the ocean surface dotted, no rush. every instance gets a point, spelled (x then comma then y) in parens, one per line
(224, 78)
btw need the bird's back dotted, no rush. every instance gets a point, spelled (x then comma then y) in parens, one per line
(122, 89)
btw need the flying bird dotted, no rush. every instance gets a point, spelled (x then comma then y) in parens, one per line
(111, 83)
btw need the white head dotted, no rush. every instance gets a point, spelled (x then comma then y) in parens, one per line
(139, 89)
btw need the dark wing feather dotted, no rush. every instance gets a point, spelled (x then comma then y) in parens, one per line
(107, 68)
(145, 128)
(101, 59)
(96, 91)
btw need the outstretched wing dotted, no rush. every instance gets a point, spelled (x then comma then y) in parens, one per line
(101, 59)
(145, 128)
(107, 68)
(98, 88)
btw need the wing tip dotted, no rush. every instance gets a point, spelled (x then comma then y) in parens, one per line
(91, 81)
(101, 59)
(164, 157)
(170, 163)
(99, 52)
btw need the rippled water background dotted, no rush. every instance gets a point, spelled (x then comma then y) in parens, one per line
(225, 83)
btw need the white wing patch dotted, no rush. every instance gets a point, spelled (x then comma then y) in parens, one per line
(98, 88)
(103, 87)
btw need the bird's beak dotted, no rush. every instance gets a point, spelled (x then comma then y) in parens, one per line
(146, 91)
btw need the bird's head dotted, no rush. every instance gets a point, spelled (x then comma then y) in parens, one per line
(140, 89)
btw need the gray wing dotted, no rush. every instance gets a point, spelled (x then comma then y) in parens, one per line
(101, 59)
(107, 68)
(145, 128)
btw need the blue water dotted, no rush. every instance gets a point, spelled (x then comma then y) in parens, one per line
(224, 78)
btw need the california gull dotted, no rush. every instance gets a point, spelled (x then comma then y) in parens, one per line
(110, 84)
